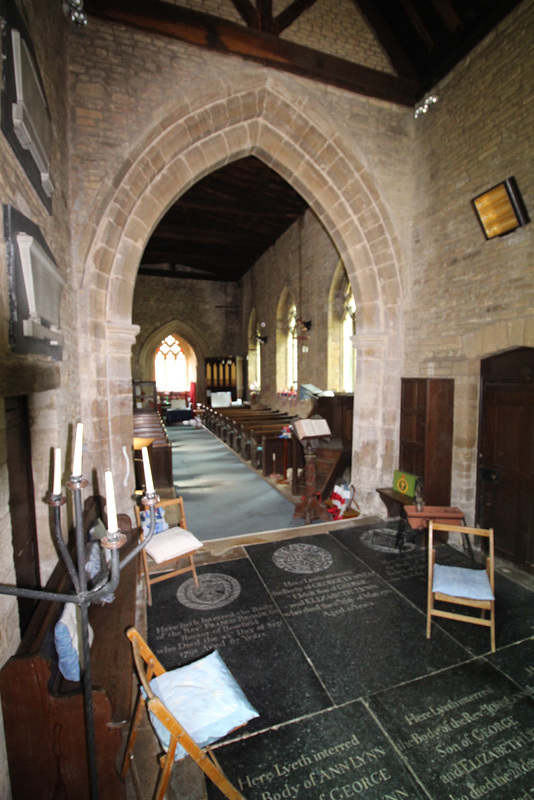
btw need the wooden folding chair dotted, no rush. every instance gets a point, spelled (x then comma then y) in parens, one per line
(166, 549)
(461, 586)
(207, 700)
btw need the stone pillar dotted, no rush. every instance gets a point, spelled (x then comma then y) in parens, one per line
(376, 418)
(119, 340)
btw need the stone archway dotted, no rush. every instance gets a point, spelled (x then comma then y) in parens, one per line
(303, 147)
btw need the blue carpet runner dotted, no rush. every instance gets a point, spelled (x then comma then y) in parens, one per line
(223, 496)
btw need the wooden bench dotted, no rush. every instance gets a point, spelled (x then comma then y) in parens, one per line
(44, 713)
(148, 425)
(276, 455)
(251, 439)
(230, 425)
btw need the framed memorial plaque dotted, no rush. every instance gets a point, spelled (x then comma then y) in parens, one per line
(35, 288)
(25, 118)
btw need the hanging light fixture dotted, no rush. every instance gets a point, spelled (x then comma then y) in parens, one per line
(74, 12)
(425, 105)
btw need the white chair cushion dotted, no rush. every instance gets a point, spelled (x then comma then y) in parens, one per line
(472, 584)
(172, 543)
(205, 699)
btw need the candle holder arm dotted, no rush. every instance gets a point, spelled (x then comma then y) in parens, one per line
(149, 500)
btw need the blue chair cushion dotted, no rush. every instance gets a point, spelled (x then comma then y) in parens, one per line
(471, 584)
(205, 699)
(161, 525)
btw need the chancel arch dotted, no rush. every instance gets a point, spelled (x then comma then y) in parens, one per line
(268, 120)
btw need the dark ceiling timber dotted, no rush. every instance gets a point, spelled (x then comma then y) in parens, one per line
(221, 226)
(222, 36)
(425, 39)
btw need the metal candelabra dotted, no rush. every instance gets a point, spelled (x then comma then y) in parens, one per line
(103, 584)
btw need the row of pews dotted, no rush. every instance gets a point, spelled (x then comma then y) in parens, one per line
(255, 434)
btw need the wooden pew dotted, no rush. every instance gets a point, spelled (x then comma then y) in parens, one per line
(239, 430)
(251, 439)
(226, 423)
(276, 454)
(148, 425)
(244, 428)
(44, 714)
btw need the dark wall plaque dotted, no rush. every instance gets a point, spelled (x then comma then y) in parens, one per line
(25, 118)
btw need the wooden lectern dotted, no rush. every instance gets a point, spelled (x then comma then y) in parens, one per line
(310, 432)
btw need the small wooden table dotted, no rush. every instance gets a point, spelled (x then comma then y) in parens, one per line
(418, 520)
(394, 501)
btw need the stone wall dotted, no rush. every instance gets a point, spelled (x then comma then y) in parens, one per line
(469, 297)
(138, 146)
(205, 314)
(51, 387)
(394, 162)
(302, 263)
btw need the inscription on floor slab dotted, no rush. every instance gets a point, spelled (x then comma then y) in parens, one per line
(467, 732)
(233, 613)
(336, 755)
(345, 617)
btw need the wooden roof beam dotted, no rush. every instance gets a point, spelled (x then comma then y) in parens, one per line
(203, 30)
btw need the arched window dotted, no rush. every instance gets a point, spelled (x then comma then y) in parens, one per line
(341, 329)
(348, 326)
(254, 353)
(292, 349)
(171, 366)
(286, 343)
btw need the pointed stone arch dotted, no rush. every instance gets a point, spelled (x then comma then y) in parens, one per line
(300, 143)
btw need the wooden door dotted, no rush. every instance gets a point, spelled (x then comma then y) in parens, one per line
(21, 502)
(505, 486)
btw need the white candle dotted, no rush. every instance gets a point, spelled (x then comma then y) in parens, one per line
(56, 488)
(110, 503)
(149, 483)
(77, 459)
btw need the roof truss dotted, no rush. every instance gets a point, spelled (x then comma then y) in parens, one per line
(258, 42)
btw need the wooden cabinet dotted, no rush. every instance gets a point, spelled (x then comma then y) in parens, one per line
(426, 429)
(221, 375)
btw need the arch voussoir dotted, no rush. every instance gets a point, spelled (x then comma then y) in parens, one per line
(265, 119)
